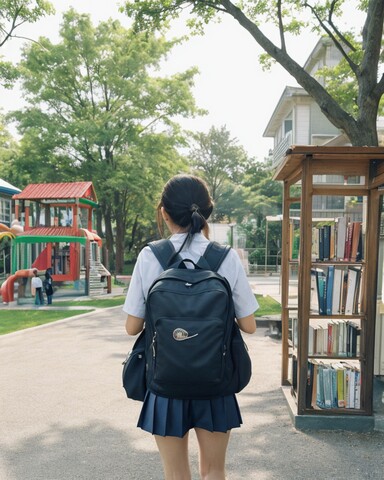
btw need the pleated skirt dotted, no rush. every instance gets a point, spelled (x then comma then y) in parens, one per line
(175, 417)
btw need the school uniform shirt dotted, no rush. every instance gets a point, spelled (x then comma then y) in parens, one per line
(147, 269)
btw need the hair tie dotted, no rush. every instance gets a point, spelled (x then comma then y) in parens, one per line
(195, 208)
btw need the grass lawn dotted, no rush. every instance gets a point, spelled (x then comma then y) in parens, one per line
(97, 303)
(268, 306)
(12, 320)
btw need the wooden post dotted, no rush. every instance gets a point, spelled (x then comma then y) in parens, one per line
(304, 290)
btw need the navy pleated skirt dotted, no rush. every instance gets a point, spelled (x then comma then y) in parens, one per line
(174, 417)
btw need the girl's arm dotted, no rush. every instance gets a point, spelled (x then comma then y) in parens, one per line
(134, 325)
(247, 324)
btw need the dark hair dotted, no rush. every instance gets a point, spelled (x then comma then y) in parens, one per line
(186, 200)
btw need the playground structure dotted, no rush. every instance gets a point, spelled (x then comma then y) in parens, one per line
(53, 228)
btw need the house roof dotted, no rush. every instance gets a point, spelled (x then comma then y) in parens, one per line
(317, 53)
(7, 188)
(282, 109)
(50, 191)
(60, 232)
(53, 232)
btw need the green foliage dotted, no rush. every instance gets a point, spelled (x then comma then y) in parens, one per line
(8, 151)
(218, 158)
(96, 110)
(13, 14)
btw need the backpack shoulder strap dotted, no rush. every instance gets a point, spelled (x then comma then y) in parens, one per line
(164, 251)
(215, 255)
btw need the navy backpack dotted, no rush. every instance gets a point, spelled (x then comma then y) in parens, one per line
(194, 348)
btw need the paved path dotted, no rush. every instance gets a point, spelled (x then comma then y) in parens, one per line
(63, 414)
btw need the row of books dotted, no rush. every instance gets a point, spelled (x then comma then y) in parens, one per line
(338, 240)
(337, 338)
(335, 290)
(337, 385)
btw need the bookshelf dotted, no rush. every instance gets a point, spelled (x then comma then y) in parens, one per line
(329, 279)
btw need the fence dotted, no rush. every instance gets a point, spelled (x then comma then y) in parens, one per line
(270, 264)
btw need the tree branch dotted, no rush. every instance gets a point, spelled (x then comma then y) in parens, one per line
(339, 117)
(281, 27)
(13, 26)
(352, 65)
(342, 37)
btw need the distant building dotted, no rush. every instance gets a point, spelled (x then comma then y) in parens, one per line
(6, 192)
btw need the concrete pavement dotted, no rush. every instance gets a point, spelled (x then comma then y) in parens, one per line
(63, 414)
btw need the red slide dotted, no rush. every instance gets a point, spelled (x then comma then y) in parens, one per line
(7, 289)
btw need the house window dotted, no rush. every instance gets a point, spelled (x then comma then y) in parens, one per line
(328, 202)
(5, 211)
(288, 126)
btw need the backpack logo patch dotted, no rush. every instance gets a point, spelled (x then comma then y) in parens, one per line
(179, 334)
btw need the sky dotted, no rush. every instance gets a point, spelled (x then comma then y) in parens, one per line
(231, 84)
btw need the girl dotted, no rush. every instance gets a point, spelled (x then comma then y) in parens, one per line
(185, 207)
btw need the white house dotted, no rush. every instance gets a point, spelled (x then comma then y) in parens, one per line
(298, 120)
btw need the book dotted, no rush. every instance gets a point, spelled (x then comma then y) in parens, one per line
(320, 399)
(329, 289)
(315, 244)
(311, 340)
(314, 292)
(327, 242)
(344, 289)
(314, 384)
(327, 385)
(353, 281)
(348, 242)
(337, 290)
(339, 369)
(321, 243)
(357, 389)
(356, 234)
(332, 253)
(309, 386)
(321, 290)
(341, 229)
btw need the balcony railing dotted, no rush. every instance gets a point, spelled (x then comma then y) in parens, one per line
(281, 148)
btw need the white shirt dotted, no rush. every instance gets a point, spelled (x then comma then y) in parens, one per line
(147, 269)
(36, 282)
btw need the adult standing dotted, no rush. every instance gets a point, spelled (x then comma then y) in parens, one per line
(185, 207)
(48, 285)
(37, 284)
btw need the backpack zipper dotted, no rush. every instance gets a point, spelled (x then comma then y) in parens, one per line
(153, 346)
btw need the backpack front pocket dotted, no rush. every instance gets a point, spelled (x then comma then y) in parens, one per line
(189, 351)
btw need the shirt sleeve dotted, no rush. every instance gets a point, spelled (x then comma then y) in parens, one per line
(243, 298)
(135, 300)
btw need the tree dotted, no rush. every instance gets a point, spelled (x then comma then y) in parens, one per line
(221, 162)
(13, 14)
(362, 53)
(264, 199)
(95, 110)
(8, 151)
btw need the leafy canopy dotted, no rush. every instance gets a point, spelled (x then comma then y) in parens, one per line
(13, 14)
(352, 109)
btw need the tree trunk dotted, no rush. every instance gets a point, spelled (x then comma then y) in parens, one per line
(120, 243)
(109, 235)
